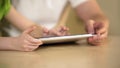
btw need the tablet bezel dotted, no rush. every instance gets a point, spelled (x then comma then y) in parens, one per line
(61, 39)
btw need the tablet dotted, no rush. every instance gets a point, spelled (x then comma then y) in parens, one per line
(61, 39)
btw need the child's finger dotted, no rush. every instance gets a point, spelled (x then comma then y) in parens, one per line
(28, 43)
(45, 30)
(63, 28)
(31, 48)
(29, 30)
(33, 40)
(55, 32)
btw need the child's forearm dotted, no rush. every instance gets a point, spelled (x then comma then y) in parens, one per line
(18, 20)
(6, 43)
(22, 23)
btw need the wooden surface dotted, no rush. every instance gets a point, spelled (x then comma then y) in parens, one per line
(72, 55)
(69, 55)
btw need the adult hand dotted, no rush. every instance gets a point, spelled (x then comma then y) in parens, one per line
(99, 28)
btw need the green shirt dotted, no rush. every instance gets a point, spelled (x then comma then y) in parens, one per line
(4, 7)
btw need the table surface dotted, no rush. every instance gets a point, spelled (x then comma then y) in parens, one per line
(67, 55)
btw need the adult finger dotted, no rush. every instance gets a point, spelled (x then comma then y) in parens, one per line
(90, 27)
(98, 39)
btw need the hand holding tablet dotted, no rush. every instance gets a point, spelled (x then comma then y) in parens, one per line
(69, 38)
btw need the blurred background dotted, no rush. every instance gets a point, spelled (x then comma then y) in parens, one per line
(109, 7)
(112, 10)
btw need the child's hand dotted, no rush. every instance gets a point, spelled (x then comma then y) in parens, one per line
(60, 31)
(25, 42)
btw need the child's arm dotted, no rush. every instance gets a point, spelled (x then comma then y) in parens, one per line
(24, 42)
(23, 23)
(18, 20)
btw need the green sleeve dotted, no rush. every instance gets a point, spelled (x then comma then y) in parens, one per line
(4, 7)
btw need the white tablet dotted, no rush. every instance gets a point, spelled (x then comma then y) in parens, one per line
(61, 39)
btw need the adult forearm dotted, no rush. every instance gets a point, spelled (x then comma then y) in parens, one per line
(90, 10)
